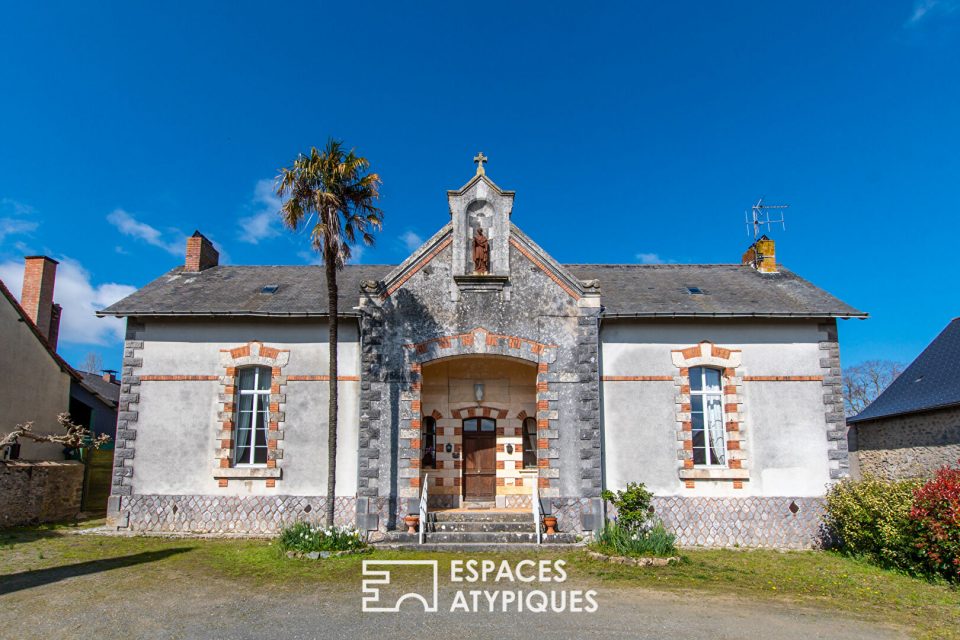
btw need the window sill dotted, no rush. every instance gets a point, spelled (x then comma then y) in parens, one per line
(246, 472)
(714, 474)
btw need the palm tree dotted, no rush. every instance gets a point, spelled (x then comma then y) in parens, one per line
(334, 190)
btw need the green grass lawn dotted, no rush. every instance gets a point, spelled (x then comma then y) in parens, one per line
(808, 578)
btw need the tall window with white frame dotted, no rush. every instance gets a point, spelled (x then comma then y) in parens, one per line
(706, 415)
(253, 406)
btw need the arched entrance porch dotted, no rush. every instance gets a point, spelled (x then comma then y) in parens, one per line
(478, 439)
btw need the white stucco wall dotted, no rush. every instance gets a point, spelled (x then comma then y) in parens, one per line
(784, 422)
(33, 389)
(177, 426)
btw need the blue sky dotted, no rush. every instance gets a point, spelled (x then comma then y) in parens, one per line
(643, 130)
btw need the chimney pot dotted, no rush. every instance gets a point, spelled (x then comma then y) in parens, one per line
(36, 298)
(761, 255)
(200, 253)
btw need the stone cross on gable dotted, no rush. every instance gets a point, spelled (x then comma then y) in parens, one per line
(480, 159)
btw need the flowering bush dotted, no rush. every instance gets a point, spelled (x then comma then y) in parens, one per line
(936, 519)
(304, 537)
(633, 505)
(871, 518)
(653, 540)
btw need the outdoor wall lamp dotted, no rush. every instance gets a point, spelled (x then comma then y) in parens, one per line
(478, 392)
(509, 448)
(449, 447)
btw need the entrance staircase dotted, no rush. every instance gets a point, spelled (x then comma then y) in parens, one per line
(473, 530)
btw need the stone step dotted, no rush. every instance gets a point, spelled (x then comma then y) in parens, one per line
(480, 527)
(480, 516)
(496, 538)
(470, 547)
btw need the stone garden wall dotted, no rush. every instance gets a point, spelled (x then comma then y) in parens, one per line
(909, 446)
(43, 491)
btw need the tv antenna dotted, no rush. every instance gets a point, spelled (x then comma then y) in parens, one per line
(764, 215)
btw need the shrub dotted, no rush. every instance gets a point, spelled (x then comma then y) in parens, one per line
(936, 517)
(304, 537)
(616, 539)
(871, 518)
(633, 505)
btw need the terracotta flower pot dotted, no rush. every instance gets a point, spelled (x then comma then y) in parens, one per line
(550, 522)
(412, 523)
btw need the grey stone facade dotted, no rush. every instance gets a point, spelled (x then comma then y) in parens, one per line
(780, 522)
(529, 308)
(249, 515)
(914, 445)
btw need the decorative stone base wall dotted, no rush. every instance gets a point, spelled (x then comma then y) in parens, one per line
(43, 491)
(910, 446)
(764, 522)
(227, 514)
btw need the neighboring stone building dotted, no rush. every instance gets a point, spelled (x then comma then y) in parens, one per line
(34, 380)
(485, 367)
(913, 427)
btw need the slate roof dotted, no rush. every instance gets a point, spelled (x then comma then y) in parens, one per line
(109, 392)
(929, 382)
(237, 290)
(627, 291)
(728, 290)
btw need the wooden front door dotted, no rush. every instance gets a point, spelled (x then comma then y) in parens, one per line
(479, 459)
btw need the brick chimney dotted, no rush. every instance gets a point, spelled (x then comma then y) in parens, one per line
(200, 253)
(39, 276)
(110, 375)
(761, 256)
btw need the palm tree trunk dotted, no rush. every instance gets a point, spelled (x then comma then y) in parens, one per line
(331, 267)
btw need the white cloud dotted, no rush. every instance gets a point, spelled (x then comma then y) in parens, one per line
(80, 299)
(649, 258)
(411, 240)
(925, 9)
(14, 223)
(130, 226)
(265, 219)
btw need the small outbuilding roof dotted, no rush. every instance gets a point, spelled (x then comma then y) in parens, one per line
(930, 382)
(676, 291)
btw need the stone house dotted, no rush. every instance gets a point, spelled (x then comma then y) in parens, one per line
(913, 427)
(486, 372)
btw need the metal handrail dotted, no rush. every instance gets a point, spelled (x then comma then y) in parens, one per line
(535, 499)
(423, 506)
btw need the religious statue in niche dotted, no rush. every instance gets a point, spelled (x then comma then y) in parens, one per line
(481, 252)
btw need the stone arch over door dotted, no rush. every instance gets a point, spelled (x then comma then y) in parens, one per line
(480, 342)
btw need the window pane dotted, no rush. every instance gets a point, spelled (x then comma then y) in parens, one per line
(428, 459)
(470, 424)
(260, 438)
(264, 379)
(529, 443)
(696, 404)
(712, 382)
(245, 381)
(716, 429)
(696, 379)
(486, 424)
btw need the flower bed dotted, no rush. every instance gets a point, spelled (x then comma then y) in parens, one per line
(305, 538)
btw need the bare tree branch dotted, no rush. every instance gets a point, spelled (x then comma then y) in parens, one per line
(862, 383)
(75, 436)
